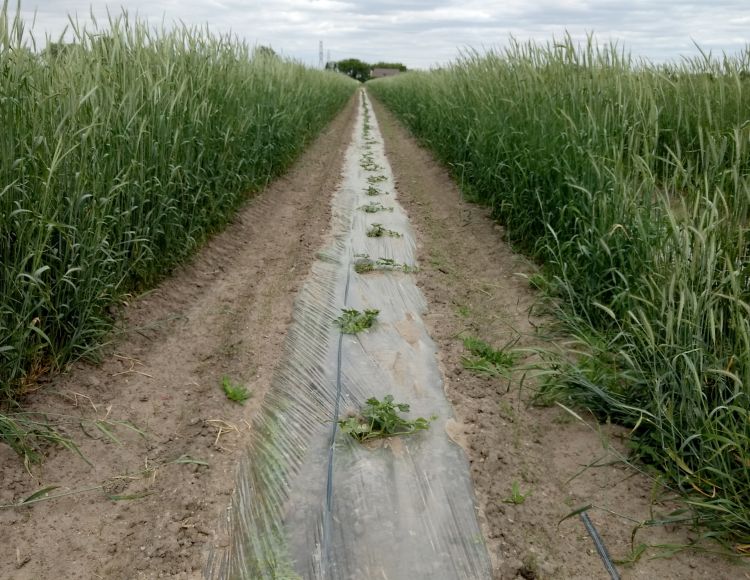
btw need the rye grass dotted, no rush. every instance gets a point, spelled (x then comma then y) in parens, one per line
(120, 153)
(631, 183)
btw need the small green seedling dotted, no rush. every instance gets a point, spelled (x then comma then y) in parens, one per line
(390, 264)
(235, 391)
(486, 360)
(387, 263)
(371, 167)
(516, 497)
(380, 419)
(463, 310)
(353, 321)
(374, 207)
(373, 179)
(373, 191)
(365, 264)
(378, 231)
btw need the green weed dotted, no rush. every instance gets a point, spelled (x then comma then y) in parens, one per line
(235, 391)
(463, 310)
(486, 360)
(516, 497)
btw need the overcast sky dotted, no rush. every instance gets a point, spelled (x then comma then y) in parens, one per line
(423, 33)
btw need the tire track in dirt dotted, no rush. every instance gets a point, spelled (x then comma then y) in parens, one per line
(223, 314)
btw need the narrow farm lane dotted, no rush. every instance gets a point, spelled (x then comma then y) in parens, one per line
(314, 502)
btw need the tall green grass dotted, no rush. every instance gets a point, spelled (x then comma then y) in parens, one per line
(630, 182)
(119, 154)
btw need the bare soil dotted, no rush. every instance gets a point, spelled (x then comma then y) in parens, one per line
(476, 285)
(225, 315)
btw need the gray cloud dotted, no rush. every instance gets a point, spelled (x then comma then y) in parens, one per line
(424, 33)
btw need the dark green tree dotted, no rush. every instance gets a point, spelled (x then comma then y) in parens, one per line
(353, 67)
(265, 52)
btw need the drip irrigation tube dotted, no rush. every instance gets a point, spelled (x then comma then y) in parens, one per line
(600, 547)
(332, 445)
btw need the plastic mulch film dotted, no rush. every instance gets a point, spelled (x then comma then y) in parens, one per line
(311, 502)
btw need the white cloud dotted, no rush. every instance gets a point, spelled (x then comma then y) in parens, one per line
(422, 33)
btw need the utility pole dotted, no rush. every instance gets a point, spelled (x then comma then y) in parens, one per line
(320, 54)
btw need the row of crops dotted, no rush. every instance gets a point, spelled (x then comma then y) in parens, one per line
(119, 153)
(631, 184)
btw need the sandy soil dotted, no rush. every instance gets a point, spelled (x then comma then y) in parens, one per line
(474, 285)
(226, 314)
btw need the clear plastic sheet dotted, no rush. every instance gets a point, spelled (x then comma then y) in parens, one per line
(313, 503)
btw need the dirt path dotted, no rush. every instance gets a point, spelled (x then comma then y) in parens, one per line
(226, 314)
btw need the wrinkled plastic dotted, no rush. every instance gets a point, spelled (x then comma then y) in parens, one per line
(311, 502)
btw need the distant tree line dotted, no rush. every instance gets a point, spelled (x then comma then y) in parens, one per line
(360, 70)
